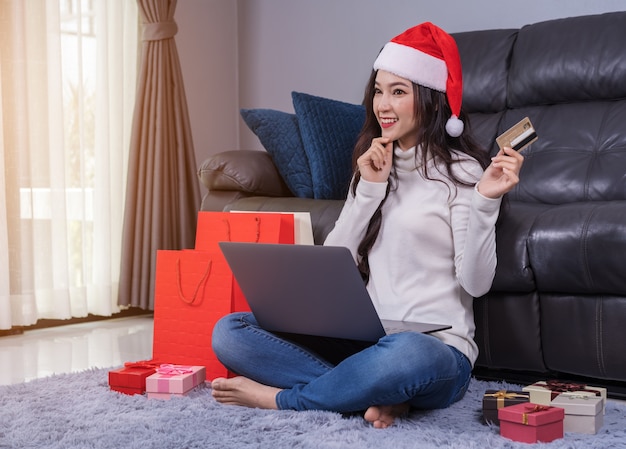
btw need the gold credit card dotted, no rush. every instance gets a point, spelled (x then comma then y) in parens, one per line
(519, 136)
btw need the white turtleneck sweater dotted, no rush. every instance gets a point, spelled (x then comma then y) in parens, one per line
(436, 247)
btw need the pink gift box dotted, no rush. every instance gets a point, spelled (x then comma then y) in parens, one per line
(531, 423)
(166, 396)
(178, 379)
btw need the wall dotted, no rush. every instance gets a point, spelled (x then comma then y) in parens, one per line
(327, 47)
(253, 53)
(207, 47)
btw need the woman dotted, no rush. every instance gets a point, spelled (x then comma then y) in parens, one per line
(420, 222)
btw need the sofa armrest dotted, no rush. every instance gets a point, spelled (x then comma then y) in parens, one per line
(248, 171)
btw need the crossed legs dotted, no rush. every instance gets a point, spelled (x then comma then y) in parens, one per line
(248, 393)
(384, 379)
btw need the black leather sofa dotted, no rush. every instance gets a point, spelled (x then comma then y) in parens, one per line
(557, 308)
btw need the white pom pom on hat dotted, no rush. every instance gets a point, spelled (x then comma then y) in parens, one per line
(427, 55)
(454, 126)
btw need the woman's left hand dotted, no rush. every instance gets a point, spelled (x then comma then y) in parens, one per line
(502, 174)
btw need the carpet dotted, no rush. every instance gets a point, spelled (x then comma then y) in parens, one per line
(79, 411)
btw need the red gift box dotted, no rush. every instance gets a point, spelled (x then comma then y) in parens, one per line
(131, 379)
(531, 423)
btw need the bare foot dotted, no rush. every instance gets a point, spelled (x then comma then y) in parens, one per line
(382, 416)
(243, 391)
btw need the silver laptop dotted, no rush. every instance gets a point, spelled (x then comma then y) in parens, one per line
(310, 289)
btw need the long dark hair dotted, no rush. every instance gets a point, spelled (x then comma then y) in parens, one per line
(432, 112)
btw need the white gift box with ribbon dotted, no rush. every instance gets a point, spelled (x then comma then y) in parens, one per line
(583, 412)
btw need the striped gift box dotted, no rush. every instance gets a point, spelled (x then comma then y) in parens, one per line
(177, 379)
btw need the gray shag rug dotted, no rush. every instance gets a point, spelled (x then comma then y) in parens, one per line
(80, 411)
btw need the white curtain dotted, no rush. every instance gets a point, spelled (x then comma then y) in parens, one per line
(68, 72)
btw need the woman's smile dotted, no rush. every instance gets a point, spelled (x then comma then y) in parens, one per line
(387, 122)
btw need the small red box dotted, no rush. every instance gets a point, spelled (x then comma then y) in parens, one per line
(531, 423)
(132, 378)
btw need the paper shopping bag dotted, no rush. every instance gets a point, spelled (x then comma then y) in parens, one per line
(302, 226)
(261, 227)
(193, 290)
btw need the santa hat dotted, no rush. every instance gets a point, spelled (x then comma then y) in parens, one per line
(427, 55)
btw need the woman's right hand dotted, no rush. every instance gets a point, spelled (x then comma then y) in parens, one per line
(375, 164)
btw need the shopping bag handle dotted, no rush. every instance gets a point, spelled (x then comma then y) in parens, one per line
(257, 220)
(202, 281)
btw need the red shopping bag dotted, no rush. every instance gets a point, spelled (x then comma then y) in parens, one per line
(260, 227)
(193, 290)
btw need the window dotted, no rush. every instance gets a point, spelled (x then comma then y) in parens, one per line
(68, 74)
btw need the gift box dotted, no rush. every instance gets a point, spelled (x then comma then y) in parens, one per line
(583, 413)
(176, 379)
(131, 379)
(493, 400)
(545, 392)
(166, 396)
(531, 423)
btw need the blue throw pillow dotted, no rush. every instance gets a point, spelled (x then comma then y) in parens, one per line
(329, 129)
(280, 136)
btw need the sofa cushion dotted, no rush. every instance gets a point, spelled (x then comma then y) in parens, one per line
(569, 60)
(329, 129)
(485, 129)
(513, 271)
(579, 155)
(507, 331)
(579, 248)
(485, 58)
(280, 136)
(581, 334)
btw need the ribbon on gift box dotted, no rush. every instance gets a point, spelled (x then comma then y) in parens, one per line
(577, 396)
(558, 387)
(170, 378)
(168, 369)
(501, 395)
(143, 364)
(530, 409)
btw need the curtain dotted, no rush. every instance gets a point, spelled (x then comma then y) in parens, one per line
(67, 84)
(163, 194)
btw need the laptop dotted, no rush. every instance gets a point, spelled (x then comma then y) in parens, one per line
(311, 290)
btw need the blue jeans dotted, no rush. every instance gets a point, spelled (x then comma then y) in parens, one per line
(317, 373)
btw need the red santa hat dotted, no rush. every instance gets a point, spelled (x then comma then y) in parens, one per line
(427, 55)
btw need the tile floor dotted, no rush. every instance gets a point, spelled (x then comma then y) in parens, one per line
(77, 347)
